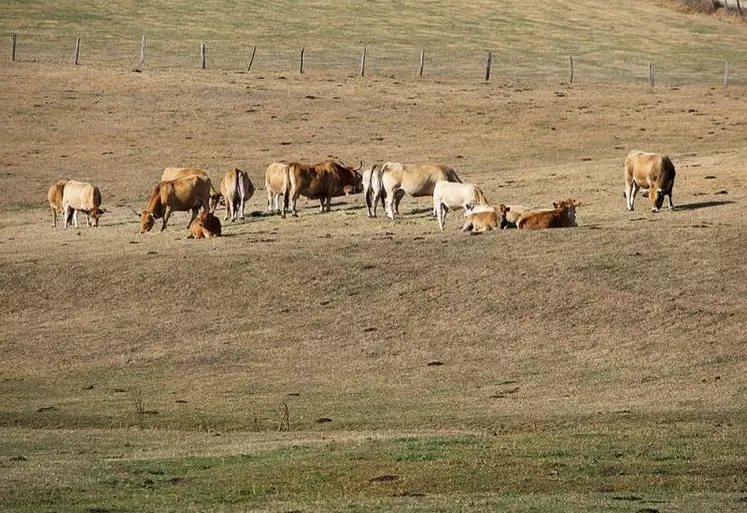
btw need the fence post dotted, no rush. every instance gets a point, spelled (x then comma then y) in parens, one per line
(739, 8)
(300, 69)
(13, 54)
(422, 62)
(77, 51)
(203, 55)
(726, 74)
(651, 74)
(487, 66)
(571, 79)
(251, 59)
(363, 62)
(141, 61)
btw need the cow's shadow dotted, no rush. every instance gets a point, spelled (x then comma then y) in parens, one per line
(702, 204)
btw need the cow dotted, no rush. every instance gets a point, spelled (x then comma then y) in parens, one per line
(372, 190)
(236, 188)
(449, 196)
(172, 173)
(54, 197)
(486, 219)
(321, 181)
(414, 179)
(81, 197)
(563, 215)
(277, 182)
(649, 171)
(205, 225)
(182, 194)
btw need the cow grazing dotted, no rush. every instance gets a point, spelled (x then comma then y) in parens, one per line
(649, 171)
(321, 181)
(486, 219)
(172, 173)
(180, 195)
(81, 197)
(277, 184)
(54, 197)
(236, 188)
(206, 225)
(450, 196)
(563, 215)
(414, 179)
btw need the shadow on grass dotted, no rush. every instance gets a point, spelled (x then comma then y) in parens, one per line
(703, 204)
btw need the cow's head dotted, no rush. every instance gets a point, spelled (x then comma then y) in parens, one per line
(95, 213)
(215, 200)
(502, 210)
(147, 221)
(355, 180)
(657, 199)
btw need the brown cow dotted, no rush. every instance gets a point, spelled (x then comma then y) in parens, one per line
(206, 225)
(649, 171)
(182, 194)
(54, 197)
(277, 182)
(81, 197)
(486, 219)
(236, 188)
(172, 173)
(321, 181)
(562, 216)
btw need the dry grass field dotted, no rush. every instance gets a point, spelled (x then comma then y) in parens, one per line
(599, 368)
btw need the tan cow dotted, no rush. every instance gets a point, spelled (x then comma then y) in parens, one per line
(172, 173)
(372, 190)
(81, 197)
(277, 183)
(649, 171)
(321, 181)
(206, 225)
(486, 219)
(450, 196)
(54, 197)
(236, 188)
(414, 179)
(180, 195)
(563, 215)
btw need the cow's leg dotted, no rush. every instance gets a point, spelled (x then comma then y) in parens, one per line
(389, 204)
(229, 204)
(441, 214)
(270, 197)
(166, 216)
(241, 207)
(398, 197)
(195, 211)
(65, 216)
(54, 217)
(294, 200)
(75, 218)
(88, 219)
(669, 195)
(630, 193)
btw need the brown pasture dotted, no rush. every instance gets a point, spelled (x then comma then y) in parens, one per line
(630, 328)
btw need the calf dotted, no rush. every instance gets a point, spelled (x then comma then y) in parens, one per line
(563, 215)
(486, 219)
(54, 197)
(206, 225)
(81, 197)
(449, 196)
(649, 171)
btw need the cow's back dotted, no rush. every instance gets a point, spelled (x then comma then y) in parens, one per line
(172, 173)
(229, 184)
(645, 168)
(81, 195)
(182, 194)
(417, 179)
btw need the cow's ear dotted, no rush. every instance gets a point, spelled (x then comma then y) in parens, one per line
(555, 205)
(102, 211)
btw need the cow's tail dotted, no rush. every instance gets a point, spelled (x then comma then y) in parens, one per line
(480, 198)
(240, 184)
(287, 186)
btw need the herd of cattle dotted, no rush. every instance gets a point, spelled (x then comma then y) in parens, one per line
(184, 189)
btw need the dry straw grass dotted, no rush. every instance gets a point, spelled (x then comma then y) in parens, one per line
(591, 369)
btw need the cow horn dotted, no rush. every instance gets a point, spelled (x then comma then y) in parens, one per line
(360, 165)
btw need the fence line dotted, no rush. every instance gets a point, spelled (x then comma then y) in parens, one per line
(387, 63)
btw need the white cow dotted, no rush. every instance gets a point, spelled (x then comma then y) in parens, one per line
(81, 197)
(449, 196)
(414, 179)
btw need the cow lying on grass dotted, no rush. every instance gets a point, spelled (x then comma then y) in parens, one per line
(483, 218)
(205, 226)
(563, 215)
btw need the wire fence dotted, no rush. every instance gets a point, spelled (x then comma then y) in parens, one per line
(394, 61)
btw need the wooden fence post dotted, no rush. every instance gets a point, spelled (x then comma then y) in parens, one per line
(203, 55)
(726, 74)
(651, 74)
(77, 51)
(487, 66)
(300, 69)
(251, 59)
(739, 8)
(13, 54)
(141, 61)
(363, 62)
(571, 79)
(422, 62)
